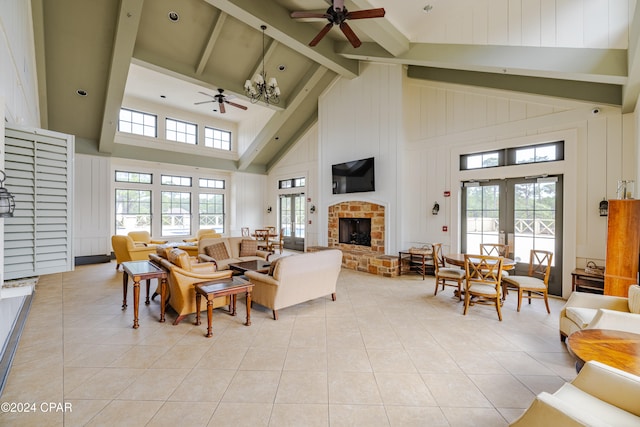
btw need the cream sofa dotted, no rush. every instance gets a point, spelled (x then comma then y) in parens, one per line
(296, 278)
(584, 310)
(599, 396)
(234, 251)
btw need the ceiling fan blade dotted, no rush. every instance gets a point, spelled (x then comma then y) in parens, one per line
(351, 36)
(206, 94)
(203, 102)
(222, 110)
(236, 105)
(321, 34)
(302, 14)
(367, 13)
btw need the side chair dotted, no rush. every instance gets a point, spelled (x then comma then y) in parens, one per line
(483, 281)
(446, 274)
(536, 283)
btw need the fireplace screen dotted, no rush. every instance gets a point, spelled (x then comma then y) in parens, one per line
(355, 231)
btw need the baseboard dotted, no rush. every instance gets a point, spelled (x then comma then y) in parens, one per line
(9, 350)
(92, 259)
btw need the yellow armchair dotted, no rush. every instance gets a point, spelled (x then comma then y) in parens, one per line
(144, 238)
(125, 250)
(204, 232)
(184, 272)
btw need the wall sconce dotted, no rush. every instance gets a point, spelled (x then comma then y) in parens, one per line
(435, 209)
(269, 209)
(312, 209)
(7, 202)
(604, 207)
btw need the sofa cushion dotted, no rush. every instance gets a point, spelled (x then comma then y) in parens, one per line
(581, 316)
(163, 250)
(248, 247)
(180, 258)
(634, 299)
(217, 251)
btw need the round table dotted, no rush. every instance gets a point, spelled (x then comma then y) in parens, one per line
(458, 260)
(614, 348)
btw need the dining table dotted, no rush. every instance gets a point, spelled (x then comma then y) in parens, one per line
(457, 259)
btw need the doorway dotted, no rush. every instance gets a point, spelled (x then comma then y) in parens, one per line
(292, 220)
(525, 213)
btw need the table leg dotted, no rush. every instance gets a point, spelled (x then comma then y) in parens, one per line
(209, 317)
(125, 283)
(146, 301)
(399, 263)
(424, 265)
(163, 294)
(233, 304)
(248, 308)
(136, 301)
(198, 298)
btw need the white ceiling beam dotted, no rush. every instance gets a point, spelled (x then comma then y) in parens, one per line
(216, 30)
(631, 90)
(380, 29)
(124, 42)
(590, 65)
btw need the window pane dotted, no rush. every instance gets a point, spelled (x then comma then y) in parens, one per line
(137, 123)
(133, 211)
(546, 153)
(211, 211)
(525, 155)
(176, 213)
(474, 162)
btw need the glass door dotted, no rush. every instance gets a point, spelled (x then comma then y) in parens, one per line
(292, 220)
(525, 213)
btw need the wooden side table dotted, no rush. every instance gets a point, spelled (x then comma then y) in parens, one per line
(142, 270)
(417, 262)
(614, 348)
(221, 288)
(581, 280)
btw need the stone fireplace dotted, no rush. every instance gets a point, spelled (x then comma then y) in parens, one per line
(355, 231)
(356, 211)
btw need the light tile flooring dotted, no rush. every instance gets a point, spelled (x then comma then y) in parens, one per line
(386, 353)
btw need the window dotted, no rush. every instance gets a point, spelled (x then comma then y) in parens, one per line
(182, 181)
(211, 183)
(176, 213)
(216, 138)
(212, 211)
(292, 183)
(539, 153)
(138, 123)
(142, 178)
(133, 211)
(179, 131)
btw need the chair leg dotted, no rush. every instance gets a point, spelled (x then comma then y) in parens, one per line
(498, 308)
(435, 292)
(467, 298)
(546, 302)
(117, 266)
(519, 299)
(275, 314)
(333, 296)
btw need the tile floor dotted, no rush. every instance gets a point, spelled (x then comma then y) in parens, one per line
(386, 353)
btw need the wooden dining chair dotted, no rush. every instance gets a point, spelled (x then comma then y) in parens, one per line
(536, 283)
(446, 275)
(262, 236)
(494, 249)
(483, 275)
(277, 242)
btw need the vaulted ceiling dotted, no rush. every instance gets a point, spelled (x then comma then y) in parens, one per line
(130, 49)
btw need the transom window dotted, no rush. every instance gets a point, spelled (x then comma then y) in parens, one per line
(539, 153)
(180, 131)
(142, 178)
(181, 181)
(216, 138)
(211, 183)
(292, 183)
(138, 123)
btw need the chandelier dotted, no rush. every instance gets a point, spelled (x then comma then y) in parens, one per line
(260, 87)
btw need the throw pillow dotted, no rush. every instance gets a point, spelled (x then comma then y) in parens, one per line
(634, 299)
(248, 247)
(180, 258)
(274, 264)
(217, 251)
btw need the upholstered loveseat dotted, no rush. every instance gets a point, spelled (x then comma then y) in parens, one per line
(125, 249)
(296, 278)
(226, 250)
(184, 272)
(584, 310)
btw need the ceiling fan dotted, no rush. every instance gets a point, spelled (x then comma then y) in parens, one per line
(221, 100)
(337, 14)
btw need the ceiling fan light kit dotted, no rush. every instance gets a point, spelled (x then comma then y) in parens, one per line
(261, 88)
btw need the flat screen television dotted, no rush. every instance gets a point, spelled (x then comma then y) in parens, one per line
(354, 177)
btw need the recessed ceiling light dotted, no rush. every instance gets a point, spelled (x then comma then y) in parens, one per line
(173, 16)
(81, 92)
(428, 8)
(163, 96)
(282, 67)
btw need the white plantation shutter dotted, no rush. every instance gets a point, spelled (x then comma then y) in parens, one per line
(39, 169)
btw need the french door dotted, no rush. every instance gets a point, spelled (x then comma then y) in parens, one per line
(525, 213)
(292, 220)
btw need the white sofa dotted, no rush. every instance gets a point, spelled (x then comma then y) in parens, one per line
(599, 396)
(234, 249)
(296, 278)
(584, 310)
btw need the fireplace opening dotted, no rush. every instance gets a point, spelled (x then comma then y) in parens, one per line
(355, 231)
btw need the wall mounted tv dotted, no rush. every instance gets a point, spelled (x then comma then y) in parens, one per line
(354, 177)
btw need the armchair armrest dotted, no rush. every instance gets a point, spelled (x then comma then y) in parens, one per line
(263, 254)
(616, 320)
(587, 300)
(261, 278)
(190, 239)
(549, 410)
(207, 258)
(158, 242)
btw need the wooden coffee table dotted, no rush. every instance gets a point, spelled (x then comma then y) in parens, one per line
(614, 348)
(221, 288)
(139, 271)
(256, 265)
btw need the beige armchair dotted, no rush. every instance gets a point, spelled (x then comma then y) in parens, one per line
(144, 238)
(584, 310)
(599, 396)
(126, 250)
(184, 272)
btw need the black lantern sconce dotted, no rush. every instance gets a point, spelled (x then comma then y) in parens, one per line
(269, 209)
(604, 208)
(435, 209)
(312, 209)
(7, 202)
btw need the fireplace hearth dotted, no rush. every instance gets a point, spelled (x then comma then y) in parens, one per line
(355, 231)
